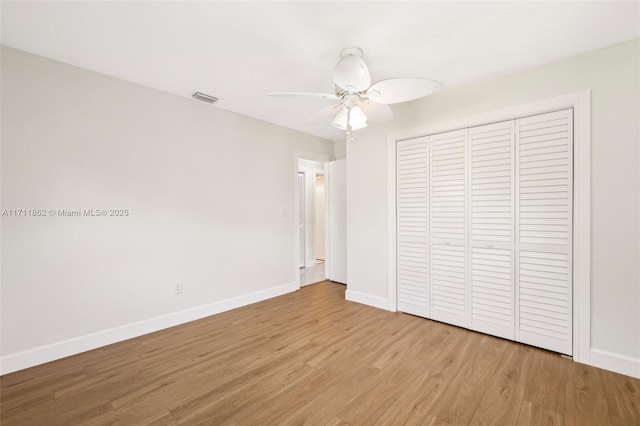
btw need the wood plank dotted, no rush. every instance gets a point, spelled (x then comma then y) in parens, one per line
(311, 357)
(586, 402)
(623, 398)
(535, 415)
(457, 404)
(500, 404)
(546, 380)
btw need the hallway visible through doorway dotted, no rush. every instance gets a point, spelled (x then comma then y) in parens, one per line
(311, 221)
(312, 274)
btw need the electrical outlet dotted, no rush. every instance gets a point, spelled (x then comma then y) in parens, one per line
(178, 288)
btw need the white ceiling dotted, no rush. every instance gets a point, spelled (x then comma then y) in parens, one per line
(239, 51)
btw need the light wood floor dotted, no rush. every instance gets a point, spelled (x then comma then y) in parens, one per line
(312, 357)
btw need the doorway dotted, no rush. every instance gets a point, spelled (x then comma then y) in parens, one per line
(320, 219)
(301, 221)
(311, 221)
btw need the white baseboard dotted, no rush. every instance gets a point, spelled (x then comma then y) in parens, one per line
(76, 345)
(616, 363)
(367, 299)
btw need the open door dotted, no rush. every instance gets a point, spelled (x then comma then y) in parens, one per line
(336, 212)
(301, 220)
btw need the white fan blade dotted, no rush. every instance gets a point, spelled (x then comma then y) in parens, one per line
(326, 114)
(352, 74)
(327, 96)
(398, 90)
(375, 111)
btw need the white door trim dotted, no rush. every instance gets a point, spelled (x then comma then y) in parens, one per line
(581, 104)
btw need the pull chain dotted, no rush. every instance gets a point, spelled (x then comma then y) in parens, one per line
(349, 137)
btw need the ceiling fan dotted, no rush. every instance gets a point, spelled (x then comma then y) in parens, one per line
(361, 101)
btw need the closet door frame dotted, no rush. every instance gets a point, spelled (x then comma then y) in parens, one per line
(581, 238)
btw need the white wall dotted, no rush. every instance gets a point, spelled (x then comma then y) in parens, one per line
(336, 214)
(340, 149)
(612, 76)
(204, 188)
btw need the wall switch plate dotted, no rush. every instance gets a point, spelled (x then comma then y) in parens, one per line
(178, 289)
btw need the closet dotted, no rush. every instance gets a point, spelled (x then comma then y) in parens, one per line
(484, 228)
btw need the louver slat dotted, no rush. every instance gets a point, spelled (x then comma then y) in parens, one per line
(412, 226)
(449, 296)
(543, 252)
(492, 234)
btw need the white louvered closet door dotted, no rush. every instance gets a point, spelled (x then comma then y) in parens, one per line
(492, 234)
(413, 226)
(544, 149)
(448, 193)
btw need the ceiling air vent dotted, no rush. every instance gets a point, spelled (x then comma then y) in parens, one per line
(204, 97)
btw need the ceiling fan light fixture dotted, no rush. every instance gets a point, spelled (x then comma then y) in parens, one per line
(340, 120)
(357, 118)
(359, 126)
